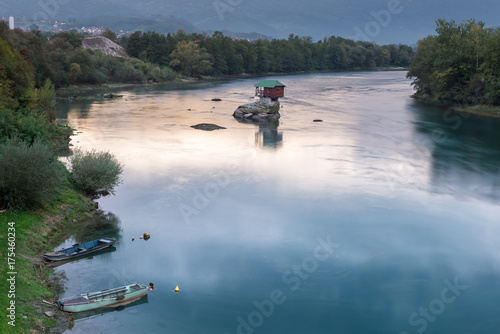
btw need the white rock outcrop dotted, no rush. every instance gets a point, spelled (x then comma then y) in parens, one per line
(105, 45)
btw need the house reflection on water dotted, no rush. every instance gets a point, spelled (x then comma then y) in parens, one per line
(268, 134)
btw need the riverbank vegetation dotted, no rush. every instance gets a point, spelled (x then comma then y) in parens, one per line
(62, 59)
(37, 195)
(156, 57)
(218, 55)
(459, 66)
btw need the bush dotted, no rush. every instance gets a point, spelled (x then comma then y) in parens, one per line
(29, 175)
(95, 173)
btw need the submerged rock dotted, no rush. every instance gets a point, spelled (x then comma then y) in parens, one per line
(111, 96)
(207, 127)
(262, 109)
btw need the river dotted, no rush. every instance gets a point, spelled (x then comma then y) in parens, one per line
(382, 218)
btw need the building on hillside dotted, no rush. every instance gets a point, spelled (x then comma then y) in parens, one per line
(11, 22)
(270, 88)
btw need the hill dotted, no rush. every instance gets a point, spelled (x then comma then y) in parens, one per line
(405, 22)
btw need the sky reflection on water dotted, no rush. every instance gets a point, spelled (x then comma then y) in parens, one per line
(230, 216)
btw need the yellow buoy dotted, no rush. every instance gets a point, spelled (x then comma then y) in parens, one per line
(146, 236)
(176, 289)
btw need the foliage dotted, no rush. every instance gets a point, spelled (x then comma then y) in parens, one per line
(95, 172)
(459, 65)
(30, 174)
(233, 57)
(15, 79)
(45, 98)
(190, 59)
(62, 59)
(25, 112)
(109, 34)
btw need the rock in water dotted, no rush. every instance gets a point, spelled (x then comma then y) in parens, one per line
(207, 127)
(262, 109)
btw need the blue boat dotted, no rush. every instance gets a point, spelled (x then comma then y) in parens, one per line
(79, 250)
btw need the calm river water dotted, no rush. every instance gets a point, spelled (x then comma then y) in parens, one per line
(382, 218)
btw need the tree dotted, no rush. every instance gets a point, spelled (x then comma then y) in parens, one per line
(134, 44)
(30, 174)
(454, 66)
(190, 59)
(95, 173)
(72, 37)
(16, 80)
(109, 34)
(46, 100)
(75, 72)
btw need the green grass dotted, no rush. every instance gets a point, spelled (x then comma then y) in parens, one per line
(35, 233)
(480, 110)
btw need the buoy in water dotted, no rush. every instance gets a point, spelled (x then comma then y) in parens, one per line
(176, 289)
(133, 239)
(146, 236)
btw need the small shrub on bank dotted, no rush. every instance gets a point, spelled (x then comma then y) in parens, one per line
(95, 173)
(29, 174)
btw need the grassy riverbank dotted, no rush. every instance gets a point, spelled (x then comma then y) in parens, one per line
(36, 232)
(480, 109)
(483, 110)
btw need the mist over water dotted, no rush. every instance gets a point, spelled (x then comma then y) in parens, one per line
(382, 218)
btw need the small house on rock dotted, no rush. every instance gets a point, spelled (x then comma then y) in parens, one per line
(270, 88)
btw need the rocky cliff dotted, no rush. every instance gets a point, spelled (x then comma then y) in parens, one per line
(105, 45)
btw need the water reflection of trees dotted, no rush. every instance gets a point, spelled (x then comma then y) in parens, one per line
(103, 224)
(80, 110)
(465, 151)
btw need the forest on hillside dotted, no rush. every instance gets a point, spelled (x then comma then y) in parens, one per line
(157, 57)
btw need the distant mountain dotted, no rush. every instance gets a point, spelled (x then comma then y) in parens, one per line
(406, 21)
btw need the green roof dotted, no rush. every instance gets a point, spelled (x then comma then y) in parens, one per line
(269, 84)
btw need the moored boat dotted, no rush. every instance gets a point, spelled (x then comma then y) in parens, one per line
(79, 250)
(105, 298)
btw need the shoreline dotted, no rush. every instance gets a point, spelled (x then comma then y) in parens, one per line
(37, 232)
(479, 110)
(82, 90)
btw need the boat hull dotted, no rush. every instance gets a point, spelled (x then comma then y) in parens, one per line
(105, 298)
(77, 251)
